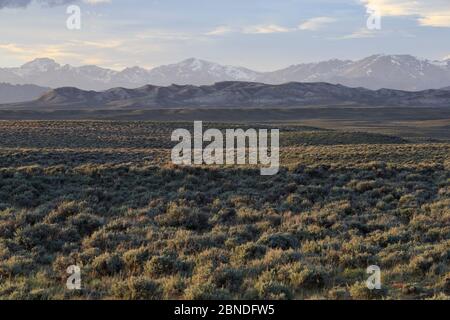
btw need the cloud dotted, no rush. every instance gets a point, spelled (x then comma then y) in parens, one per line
(166, 35)
(108, 52)
(13, 48)
(28, 52)
(45, 3)
(360, 34)
(104, 44)
(311, 25)
(266, 29)
(431, 13)
(316, 23)
(219, 31)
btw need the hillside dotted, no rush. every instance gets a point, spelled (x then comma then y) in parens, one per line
(234, 95)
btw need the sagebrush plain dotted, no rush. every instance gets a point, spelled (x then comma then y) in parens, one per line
(104, 195)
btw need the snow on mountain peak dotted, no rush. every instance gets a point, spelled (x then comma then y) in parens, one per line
(195, 64)
(41, 64)
(403, 72)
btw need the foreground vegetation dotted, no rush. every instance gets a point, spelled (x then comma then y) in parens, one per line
(104, 196)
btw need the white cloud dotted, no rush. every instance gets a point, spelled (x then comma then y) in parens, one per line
(316, 23)
(266, 29)
(311, 24)
(28, 52)
(360, 34)
(219, 31)
(432, 13)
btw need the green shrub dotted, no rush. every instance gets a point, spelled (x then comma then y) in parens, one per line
(283, 241)
(107, 264)
(135, 259)
(228, 278)
(183, 217)
(206, 291)
(137, 288)
(270, 288)
(307, 277)
(359, 291)
(164, 265)
(249, 251)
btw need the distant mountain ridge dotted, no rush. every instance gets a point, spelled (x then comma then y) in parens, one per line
(233, 94)
(401, 72)
(18, 93)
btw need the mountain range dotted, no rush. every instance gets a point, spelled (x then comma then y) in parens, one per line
(233, 94)
(401, 72)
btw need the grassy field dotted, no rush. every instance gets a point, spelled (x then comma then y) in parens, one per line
(103, 195)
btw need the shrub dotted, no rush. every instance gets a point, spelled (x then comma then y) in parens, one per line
(107, 264)
(40, 234)
(228, 278)
(249, 251)
(135, 259)
(174, 287)
(164, 265)
(270, 289)
(282, 241)
(306, 277)
(86, 223)
(137, 288)
(359, 291)
(206, 291)
(338, 294)
(183, 217)
(16, 266)
(445, 283)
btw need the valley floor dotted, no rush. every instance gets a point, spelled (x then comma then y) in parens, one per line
(104, 196)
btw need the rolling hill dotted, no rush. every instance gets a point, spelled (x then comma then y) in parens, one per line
(234, 95)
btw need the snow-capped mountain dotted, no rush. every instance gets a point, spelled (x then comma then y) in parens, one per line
(307, 72)
(131, 77)
(37, 67)
(199, 72)
(402, 72)
(48, 73)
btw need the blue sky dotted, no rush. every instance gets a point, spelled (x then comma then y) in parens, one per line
(259, 34)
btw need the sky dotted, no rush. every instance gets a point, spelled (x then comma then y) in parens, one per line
(263, 35)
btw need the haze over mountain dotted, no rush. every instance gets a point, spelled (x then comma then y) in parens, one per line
(402, 72)
(18, 93)
(233, 95)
